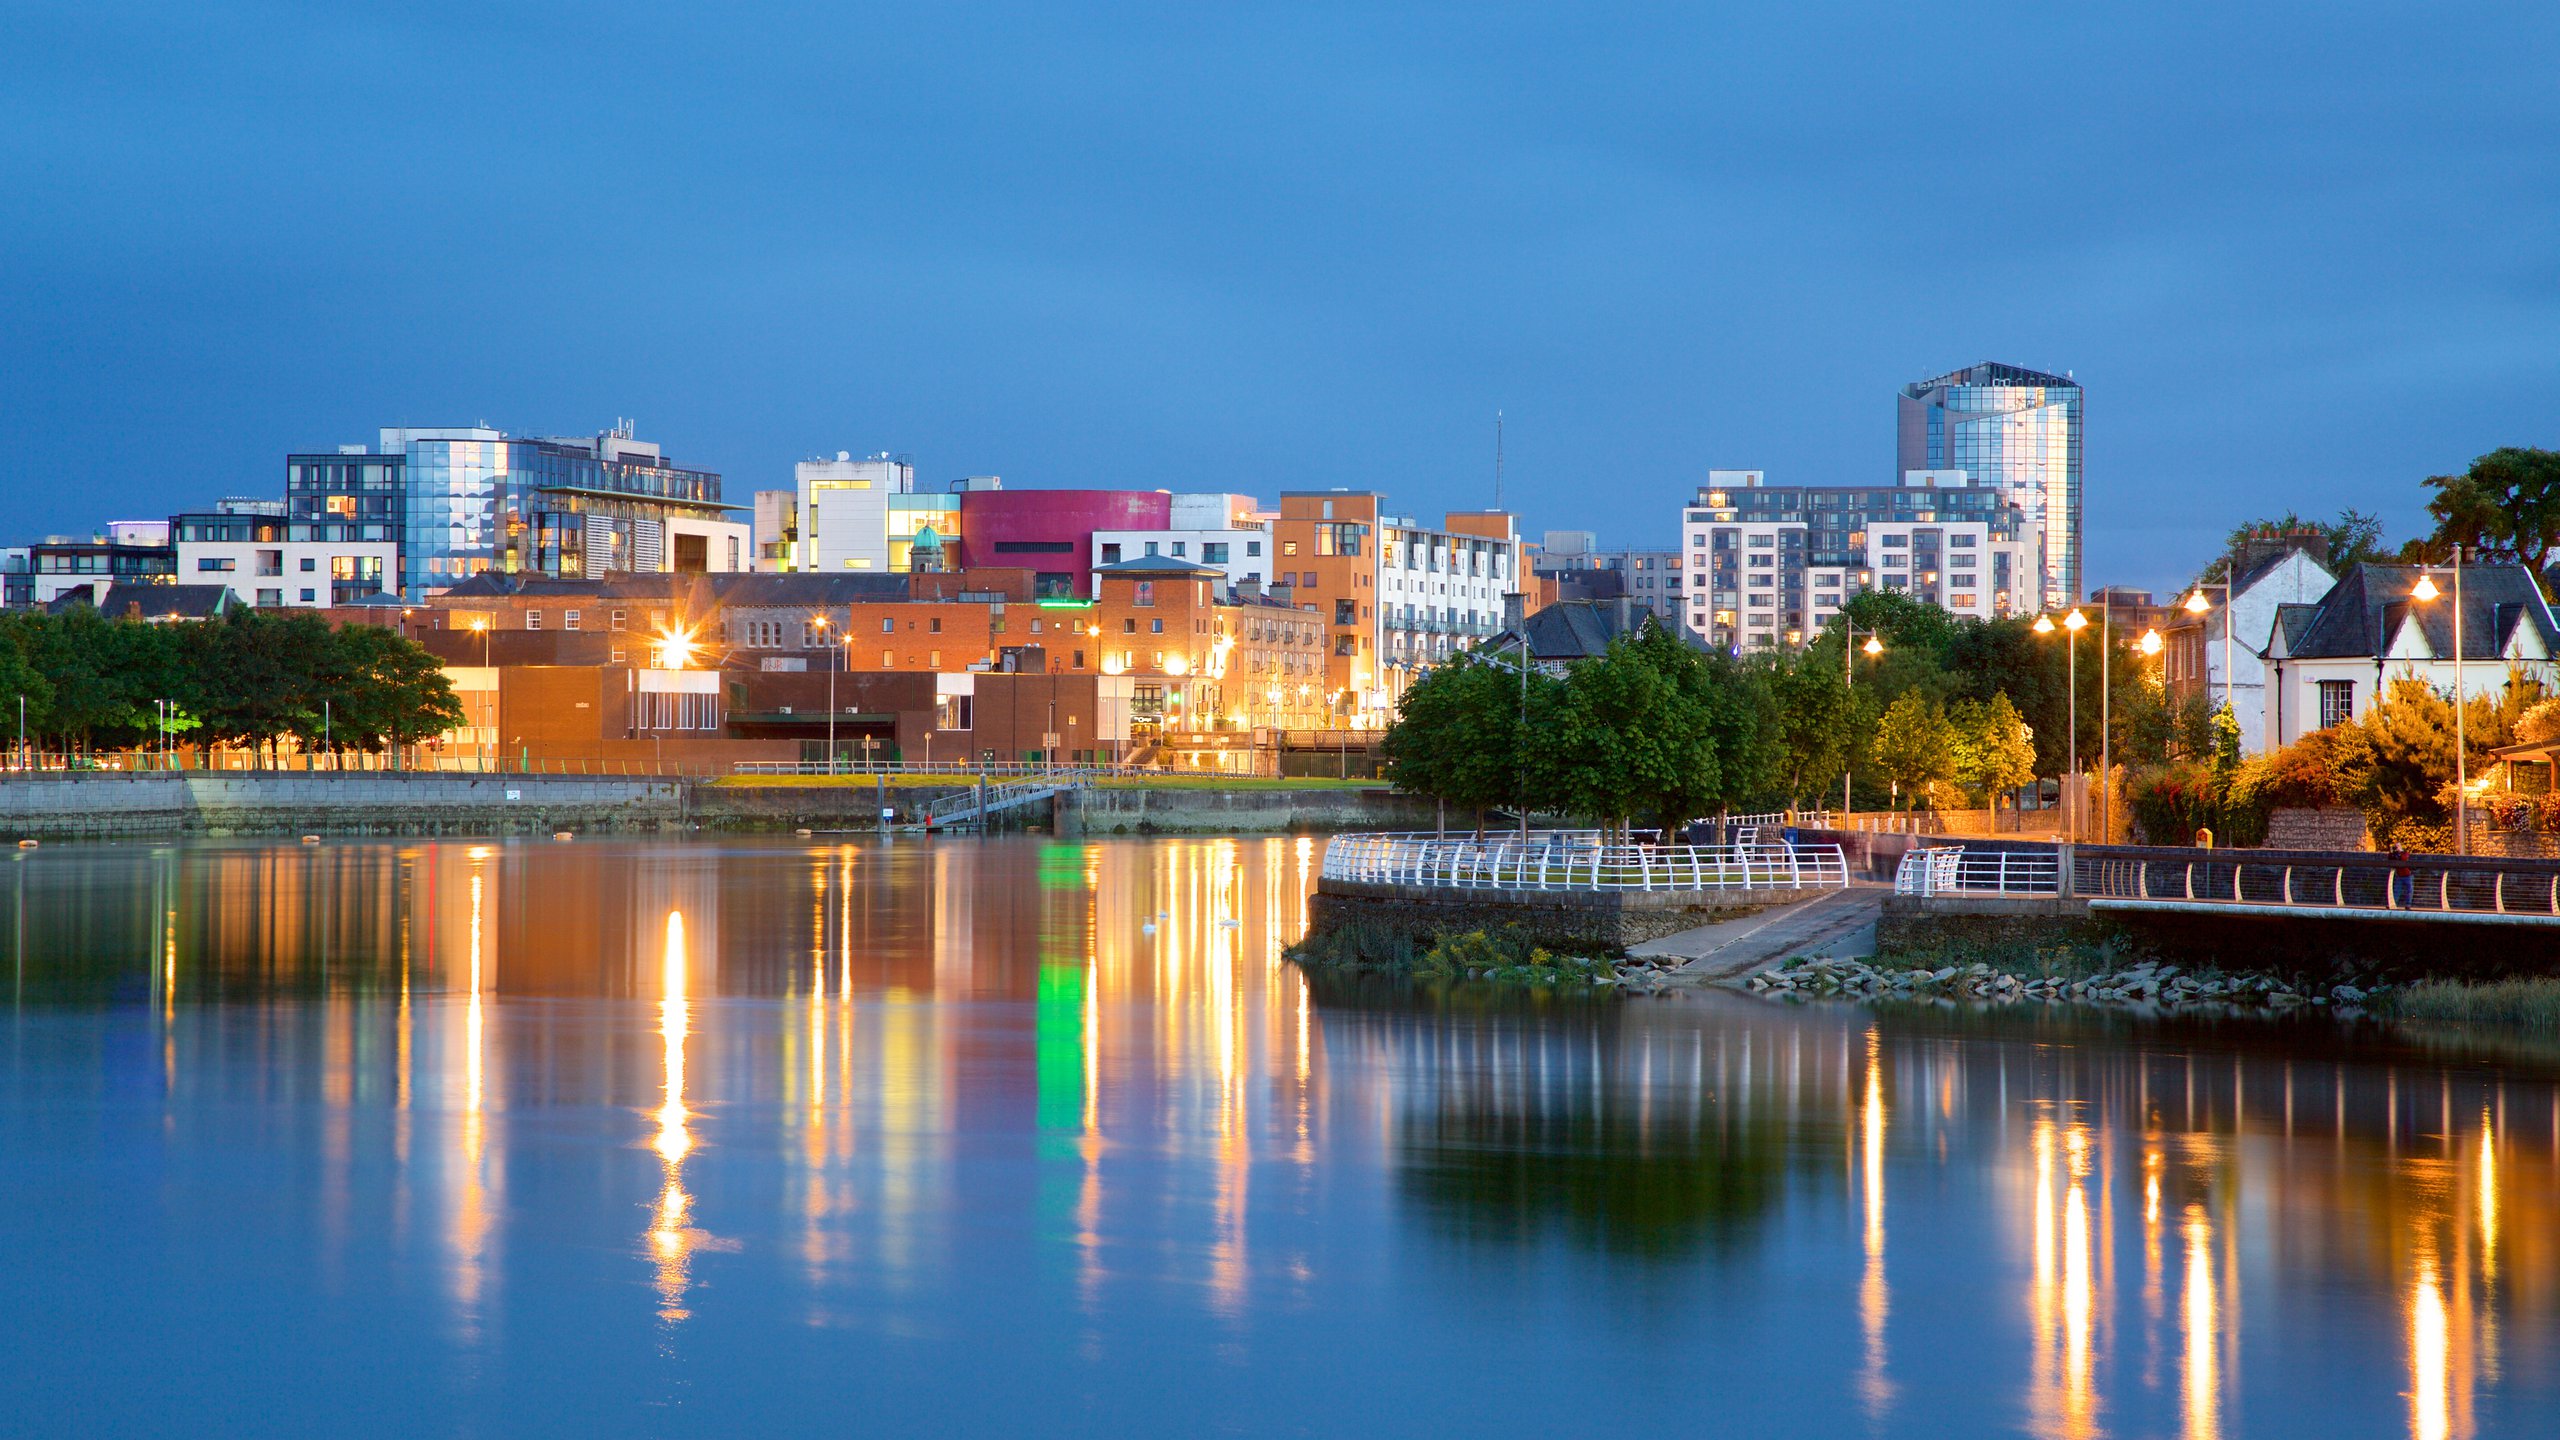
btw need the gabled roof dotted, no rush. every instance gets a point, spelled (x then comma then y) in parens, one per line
(2370, 606)
(153, 602)
(1580, 629)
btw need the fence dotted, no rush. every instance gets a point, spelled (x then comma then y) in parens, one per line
(1954, 870)
(2301, 880)
(1551, 862)
(960, 769)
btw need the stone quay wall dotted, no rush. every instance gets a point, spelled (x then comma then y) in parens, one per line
(1187, 810)
(111, 806)
(1560, 919)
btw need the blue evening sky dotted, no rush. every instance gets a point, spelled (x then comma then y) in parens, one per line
(2300, 254)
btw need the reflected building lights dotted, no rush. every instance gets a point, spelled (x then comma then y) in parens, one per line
(2203, 1332)
(671, 1236)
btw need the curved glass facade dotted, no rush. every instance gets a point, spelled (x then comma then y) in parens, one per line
(2017, 431)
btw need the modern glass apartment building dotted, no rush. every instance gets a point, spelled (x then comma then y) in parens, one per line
(469, 500)
(2016, 431)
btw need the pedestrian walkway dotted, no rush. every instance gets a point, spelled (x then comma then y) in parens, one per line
(1842, 922)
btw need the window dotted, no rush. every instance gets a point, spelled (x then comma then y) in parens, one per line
(2337, 702)
(888, 660)
(1111, 554)
(934, 625)
(309, 564)
(1288, 547)
(1253, 549)
(1079, 660)
(888, 626)
(1346, 612)
(1180, 550)
(1155, 627)
(1151, 547)
(210, 563)
(533, 619)
(569, 620)
(1129, 626)
(309, 595)
(1211, 554)
(933, 658)
(271, 597)
(1035, 624)
(614, 620)
(1146, 593)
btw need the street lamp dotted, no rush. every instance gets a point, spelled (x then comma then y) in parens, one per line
(2072, 625)
(1849, 676)
(2197, 605)
(819, 623)
(2422, 592)
(488, 748)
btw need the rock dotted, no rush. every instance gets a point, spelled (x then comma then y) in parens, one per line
(2345, 994)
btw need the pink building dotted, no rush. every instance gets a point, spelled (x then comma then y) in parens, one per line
(1050, 532)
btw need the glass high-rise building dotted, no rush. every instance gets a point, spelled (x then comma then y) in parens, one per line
(2016, 431)
(469, 500)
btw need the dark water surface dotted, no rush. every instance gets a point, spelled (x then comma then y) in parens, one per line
(1013, 1137)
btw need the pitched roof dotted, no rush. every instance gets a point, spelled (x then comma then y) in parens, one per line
(1151, 565)
(1580, 629)
(154, 602)
(2366, 609)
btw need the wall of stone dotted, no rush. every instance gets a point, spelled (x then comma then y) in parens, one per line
(1606, 921)
(2009, 932)
(1169, 810)
(114, 806)
(2300, 829)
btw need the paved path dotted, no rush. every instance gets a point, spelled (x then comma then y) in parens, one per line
(1840, 923)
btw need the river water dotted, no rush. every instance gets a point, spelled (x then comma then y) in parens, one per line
(1028, 1137)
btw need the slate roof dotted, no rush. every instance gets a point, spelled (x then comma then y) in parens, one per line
(1580, 629)
(2366, 608)
(153, 602)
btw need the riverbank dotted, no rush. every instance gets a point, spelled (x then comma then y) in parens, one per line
(111, 805)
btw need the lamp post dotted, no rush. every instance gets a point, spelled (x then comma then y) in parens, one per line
(819, 623)
(2425, 590)
(2072, 624)
(487, 746)
(1849, 679)
(2197, 605)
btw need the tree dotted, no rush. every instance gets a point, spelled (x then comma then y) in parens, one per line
(1915, 746)
(2353, 538)
(1817, 716)
(2507, 504)
(385, 690)
(1621, 737)
(1994, 749)
(1457, 734)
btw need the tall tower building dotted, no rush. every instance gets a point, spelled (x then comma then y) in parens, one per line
(2016, 431)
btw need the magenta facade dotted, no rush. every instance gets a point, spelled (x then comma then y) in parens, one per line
(1050, 532)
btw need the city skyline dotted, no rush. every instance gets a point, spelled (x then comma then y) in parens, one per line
(1223, 252)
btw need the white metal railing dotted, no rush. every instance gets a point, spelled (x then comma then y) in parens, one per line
(959, 769)
(1954, 870)
(1777, 819)
(1573, 862)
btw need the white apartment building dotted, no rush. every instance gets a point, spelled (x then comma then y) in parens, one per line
(843, 514)
(274, 563)
(1226, 531)
(1440, 591)
(1770, 565)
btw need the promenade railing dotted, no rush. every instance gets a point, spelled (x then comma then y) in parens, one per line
(2268, 879)
(960, 769)
(1548, 861)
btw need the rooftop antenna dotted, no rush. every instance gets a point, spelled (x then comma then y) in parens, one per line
(1497, 460)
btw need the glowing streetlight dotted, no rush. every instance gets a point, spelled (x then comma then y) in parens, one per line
(2150, 642)
(2422, 592)
(1873, 647)
(1849, 675)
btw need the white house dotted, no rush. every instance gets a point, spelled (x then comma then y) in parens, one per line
(2267, 580)
(2329, 660)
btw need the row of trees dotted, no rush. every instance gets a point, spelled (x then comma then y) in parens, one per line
(2504, 509)
(85, 684)
(1658, 729)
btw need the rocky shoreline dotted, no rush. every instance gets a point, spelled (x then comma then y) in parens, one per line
(2149, 986)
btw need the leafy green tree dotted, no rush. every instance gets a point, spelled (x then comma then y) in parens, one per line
(1994, 748)
(2507, 505)
(1915, 747)
(2353, 538)
(1619, 738)
(1816, 723)
(1457, 734)
(384, 690)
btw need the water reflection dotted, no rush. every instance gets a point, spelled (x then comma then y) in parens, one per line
(894, 1100)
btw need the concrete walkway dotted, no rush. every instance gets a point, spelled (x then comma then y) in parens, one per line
(1842, 922)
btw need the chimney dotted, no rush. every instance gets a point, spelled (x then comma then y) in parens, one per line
(1626, 614)
(2276, 544)
(1249, 589)
(1515, 611)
